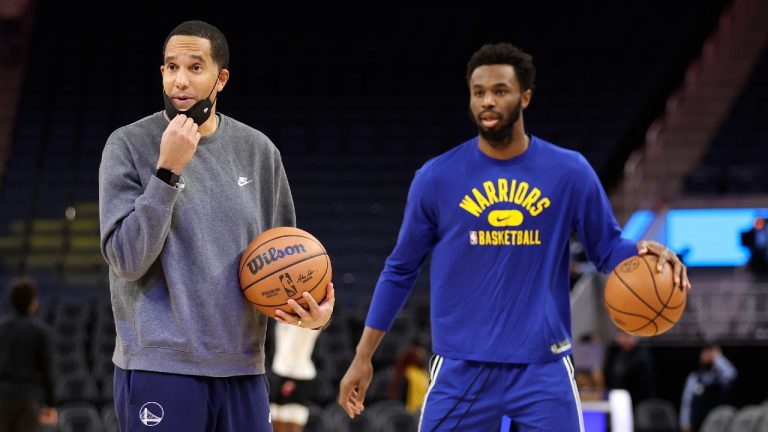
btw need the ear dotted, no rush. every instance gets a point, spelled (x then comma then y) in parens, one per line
(526, 98)
(162, 69)
(223, 79)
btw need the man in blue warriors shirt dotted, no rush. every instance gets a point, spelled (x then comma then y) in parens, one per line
(496, 212)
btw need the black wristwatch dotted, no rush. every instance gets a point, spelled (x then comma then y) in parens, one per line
(167, 176)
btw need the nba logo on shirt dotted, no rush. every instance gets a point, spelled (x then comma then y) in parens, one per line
(473, 237)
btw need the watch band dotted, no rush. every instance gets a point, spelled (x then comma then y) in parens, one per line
(167, 176)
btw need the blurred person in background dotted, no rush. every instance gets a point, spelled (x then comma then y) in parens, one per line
(629, 366)
(705, 388)
(294, 372)
(26, 363)
(13, 29)
(410, 379)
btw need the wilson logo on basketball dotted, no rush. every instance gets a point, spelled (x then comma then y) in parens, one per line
(272, 255)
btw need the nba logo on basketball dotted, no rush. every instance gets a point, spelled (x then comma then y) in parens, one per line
(288, 286)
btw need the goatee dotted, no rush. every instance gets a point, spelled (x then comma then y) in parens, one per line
(500, 138)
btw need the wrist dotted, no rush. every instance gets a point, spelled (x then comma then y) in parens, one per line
(364, 353)
(168, 176)
(324, 326)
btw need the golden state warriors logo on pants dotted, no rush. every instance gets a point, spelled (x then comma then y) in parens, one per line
(164, 402)
(472, 396)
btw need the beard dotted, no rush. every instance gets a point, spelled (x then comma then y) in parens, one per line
(500, 136)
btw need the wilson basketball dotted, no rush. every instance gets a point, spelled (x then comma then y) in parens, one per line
(282, 263)
(640, 300)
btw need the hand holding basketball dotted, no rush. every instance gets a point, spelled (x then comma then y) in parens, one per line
(642, 300)
(286, 272)
(313, 317)
(664, 254)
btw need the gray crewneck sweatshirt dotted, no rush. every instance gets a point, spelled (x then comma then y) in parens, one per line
(173, 253)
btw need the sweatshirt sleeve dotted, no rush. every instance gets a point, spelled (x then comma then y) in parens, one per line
(134, 221)
(416, 238)
(596, 226)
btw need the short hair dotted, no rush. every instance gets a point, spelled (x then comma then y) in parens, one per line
(21, 292)
(219, 46)
(505, 53)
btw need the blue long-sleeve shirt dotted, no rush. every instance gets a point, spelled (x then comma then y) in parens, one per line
(499, 235)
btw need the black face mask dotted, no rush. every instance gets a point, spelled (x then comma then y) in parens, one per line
(199, 112)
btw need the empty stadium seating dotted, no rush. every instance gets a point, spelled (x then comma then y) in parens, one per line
(735, 161)
(655, 415)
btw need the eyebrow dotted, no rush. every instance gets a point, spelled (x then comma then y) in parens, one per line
(194, 56)
(500, 84)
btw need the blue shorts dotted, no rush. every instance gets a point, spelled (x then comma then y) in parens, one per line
(474, 396)
(170, 402)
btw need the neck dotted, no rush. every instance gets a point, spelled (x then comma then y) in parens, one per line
(210, 125)
(517, 144)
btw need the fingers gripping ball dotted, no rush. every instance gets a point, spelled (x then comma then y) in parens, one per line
(640, 300)
(282, 263)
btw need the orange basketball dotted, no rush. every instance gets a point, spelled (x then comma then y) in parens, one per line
(640, 300)
(283, 263)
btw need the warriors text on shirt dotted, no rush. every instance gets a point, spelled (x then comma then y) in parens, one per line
(519, 194)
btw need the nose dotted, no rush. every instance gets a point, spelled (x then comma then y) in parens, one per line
(488, 101)
(181, 81)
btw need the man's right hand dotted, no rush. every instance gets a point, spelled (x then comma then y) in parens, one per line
(178, 144)
(353, 386)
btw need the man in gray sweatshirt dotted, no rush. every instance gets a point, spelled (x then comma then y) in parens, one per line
(181, 194)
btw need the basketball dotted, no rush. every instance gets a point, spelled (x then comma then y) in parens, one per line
(280, 264)
(640, 300)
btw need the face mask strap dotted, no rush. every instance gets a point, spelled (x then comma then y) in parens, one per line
(214, 88)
